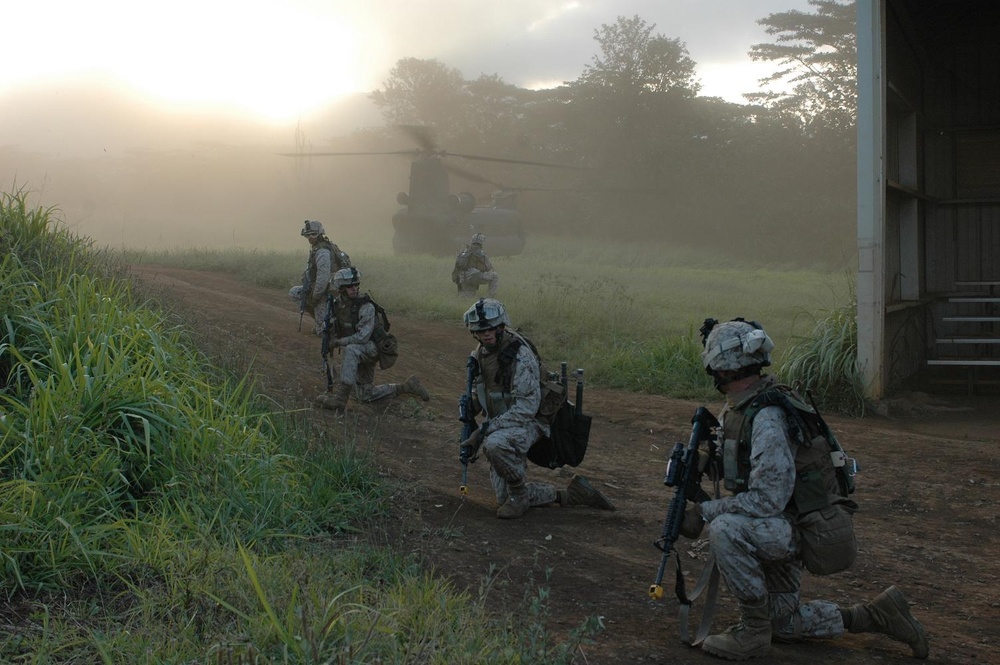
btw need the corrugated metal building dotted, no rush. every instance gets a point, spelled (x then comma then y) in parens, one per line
(928, 192)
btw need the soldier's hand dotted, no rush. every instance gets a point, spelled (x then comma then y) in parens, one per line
(693, 522)
(471, 445)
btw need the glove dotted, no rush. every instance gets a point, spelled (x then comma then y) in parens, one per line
(472, 444)
(693, 522)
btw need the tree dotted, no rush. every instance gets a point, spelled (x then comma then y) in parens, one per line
(817, 57)
(423, 92)
(634, 61)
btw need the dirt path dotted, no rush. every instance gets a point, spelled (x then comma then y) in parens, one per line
(929, 492)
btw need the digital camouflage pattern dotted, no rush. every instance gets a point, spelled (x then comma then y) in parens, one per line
(473, 268)
(754, 544)
(513, 427)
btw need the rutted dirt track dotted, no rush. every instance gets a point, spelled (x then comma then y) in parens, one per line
(929, 493)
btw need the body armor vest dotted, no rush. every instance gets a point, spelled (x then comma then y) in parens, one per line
(348, 314)
(820, 477)
(493, 388)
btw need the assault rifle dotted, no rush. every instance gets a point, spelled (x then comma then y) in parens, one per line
(468, 419)
(329, 328)
(684, 474)
(304, 296)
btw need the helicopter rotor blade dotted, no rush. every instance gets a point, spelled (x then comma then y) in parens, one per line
(412, 151)
(504, 160)
(421, 135)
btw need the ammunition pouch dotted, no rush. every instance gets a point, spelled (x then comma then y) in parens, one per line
(387, 346)
(826, 537)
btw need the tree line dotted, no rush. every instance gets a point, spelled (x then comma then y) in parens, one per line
(773, 177)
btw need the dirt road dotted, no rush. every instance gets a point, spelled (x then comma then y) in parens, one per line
(928, 491)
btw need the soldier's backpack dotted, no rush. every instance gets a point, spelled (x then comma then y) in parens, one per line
(824, 479)
(569, 427)
(385, 341)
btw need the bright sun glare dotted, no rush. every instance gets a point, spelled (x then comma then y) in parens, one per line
(255, 56)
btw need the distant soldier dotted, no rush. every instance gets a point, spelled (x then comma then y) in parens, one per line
(352, 325)
(325, 259)
(473, 268)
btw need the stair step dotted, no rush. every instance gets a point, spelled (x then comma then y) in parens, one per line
(969, 299)
(965, 362)
(968, 340)
(971, 319)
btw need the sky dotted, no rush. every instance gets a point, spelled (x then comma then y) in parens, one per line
(277, 60)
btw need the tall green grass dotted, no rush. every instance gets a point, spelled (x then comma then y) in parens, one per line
(155, 509)
(625, 312)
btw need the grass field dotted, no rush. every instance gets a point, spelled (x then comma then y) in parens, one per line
(629, 313)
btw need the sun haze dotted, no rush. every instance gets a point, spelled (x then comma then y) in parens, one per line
(260, 57)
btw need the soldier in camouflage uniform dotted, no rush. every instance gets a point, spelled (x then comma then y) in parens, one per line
(473, 268)
(509, 394)
(325, 259)
(354, 322)
(750, 533)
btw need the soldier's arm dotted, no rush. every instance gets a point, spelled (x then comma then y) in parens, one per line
(526, 390)
(772, 471)
(322, 274)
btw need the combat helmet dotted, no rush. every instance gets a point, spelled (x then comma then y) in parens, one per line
(486, 313)
(478, 239)
(736, 344)
(346, 277)
(312, 228)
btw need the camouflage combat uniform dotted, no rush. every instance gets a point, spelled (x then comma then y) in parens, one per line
(355, 325)
(325, 259)
(513, 427)
(473, 268)
(753, 542)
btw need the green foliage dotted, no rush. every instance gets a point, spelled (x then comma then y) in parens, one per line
(817, 57)
(825, 361)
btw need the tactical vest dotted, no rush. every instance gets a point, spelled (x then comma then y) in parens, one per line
(494, 388)
(349, 314)
(338, 259)
(497, 370)
(821, 476)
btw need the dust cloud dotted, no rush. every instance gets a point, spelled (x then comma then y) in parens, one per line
(129, 174)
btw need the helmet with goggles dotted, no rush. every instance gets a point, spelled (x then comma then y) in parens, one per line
(736, 344)
(485, 314)
(346, 277)
(312, 228)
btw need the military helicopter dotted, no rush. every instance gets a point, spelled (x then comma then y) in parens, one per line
(435, 221)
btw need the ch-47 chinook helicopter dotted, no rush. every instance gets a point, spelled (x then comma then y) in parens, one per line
(435, 221)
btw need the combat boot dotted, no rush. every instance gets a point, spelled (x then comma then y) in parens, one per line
(750, 638)
(517, 502)
(412, 386)
(337, 401)
(889, 614)
(580, 492)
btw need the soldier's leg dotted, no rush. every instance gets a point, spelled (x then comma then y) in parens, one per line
(365, 389)
(506, 451)
(740, 545)
(319, 314)
(790, 620)
(493, 280)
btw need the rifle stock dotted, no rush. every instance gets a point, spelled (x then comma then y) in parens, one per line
(684, 475)
(468, 419)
